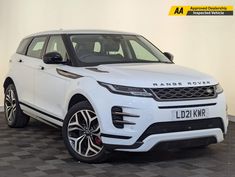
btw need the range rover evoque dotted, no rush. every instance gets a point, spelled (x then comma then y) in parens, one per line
(111, 91)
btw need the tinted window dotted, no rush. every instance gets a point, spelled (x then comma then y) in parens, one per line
(56, 44)
(36, 46)
(23, 46)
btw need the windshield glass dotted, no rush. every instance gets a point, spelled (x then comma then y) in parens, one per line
(95, 49)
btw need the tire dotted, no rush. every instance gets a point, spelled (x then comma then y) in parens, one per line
(14, 115)
(81, 134)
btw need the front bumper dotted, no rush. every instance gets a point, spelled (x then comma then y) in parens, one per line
(150, 112)
(151, 141)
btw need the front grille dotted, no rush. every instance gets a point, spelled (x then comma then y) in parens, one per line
(179, 126)
(184, 93)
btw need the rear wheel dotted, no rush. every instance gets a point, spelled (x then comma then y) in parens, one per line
(81, 134)
(13, 113)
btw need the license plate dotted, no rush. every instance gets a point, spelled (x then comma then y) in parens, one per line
(190, 114)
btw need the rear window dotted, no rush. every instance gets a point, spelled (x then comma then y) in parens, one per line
(23, 46)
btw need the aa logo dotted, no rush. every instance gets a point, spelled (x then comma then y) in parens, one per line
(200, 10)
(179, 10)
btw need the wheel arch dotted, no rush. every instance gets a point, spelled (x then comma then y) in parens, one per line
(7, 82)
(76, 99)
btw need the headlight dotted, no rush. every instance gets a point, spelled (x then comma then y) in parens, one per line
(218, 89)
(125, 90)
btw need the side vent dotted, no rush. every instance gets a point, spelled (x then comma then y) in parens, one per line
(117, 117)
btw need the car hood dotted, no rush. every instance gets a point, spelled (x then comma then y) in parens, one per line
(149, 75)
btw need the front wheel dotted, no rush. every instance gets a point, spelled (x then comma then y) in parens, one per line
(81, 134)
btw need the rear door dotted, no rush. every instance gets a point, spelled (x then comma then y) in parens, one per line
(25, 71)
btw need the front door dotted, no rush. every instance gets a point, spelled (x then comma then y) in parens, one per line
(50, 86)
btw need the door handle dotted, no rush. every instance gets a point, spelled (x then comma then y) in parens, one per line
(20, 61)
(42, 67)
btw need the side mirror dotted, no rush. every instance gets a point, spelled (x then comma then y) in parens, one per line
(52, 58)
(169, 56)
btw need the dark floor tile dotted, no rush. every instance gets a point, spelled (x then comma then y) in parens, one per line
(38, 150)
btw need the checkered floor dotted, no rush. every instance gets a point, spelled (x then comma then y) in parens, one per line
(38, 150)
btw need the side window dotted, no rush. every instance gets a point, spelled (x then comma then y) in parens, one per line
(56, 44)
(23, 46)
(36, 46)
(140, 52)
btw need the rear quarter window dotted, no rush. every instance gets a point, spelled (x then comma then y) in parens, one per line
(23, 46)
(35, 48)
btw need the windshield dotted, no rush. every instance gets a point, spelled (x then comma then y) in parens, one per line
(95, 49)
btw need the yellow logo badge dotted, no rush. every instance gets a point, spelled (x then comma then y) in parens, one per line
(201, 11)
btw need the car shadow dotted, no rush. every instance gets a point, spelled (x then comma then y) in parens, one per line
(117, 157)
(159, 155)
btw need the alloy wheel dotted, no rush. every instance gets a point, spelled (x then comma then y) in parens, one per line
(10, 105)
(84, 133)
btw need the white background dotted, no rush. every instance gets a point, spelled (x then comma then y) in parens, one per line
(204, 43)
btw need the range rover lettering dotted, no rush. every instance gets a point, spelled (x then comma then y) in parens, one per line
(111, 91)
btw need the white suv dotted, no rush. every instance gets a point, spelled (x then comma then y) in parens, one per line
(111, 91)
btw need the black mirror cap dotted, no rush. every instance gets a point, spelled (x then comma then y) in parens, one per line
(52, 58)
(169, 56)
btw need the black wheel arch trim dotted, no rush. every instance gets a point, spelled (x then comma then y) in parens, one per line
(8, 80)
